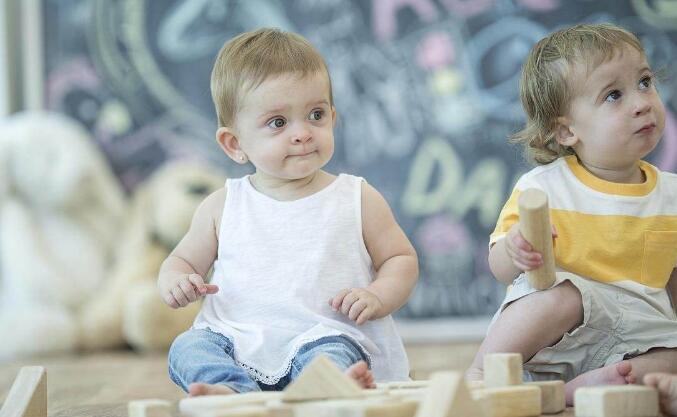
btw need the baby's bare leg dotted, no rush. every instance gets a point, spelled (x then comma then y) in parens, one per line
(667, 389)
(655, 360)
(532, 323)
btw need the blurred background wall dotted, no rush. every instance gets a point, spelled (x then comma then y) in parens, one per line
(426, 92)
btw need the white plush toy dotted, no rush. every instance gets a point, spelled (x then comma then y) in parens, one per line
(60, 211)
(129, 309)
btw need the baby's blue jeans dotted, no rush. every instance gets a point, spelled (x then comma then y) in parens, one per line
(200, 355)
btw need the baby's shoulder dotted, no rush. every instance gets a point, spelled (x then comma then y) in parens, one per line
(543, 176)
(211, 208)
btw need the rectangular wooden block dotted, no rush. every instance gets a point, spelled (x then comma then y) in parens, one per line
(28, 395)
(616, 401)
(502, 369)
(210, 404)
(149, 408)
(384, 407)
(513, 401)
(552, 396)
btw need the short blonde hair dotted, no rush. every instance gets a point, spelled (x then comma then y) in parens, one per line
(250, 58)
(546, 85)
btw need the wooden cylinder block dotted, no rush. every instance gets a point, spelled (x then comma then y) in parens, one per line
(535, 227)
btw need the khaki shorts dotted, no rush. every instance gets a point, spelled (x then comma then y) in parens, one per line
(620, 321)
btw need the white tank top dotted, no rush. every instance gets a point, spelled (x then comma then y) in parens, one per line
(278, 264)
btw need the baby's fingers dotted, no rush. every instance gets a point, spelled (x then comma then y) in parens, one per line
(170, 300)
(202, 288)
(188, 290)
(519, 242)
(356, 309)
(365, 315)
(348, 302)
(180, 297)
(336, 302)
(524, 260)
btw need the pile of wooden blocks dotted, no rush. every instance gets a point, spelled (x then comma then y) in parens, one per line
(503, 394)
(322, 390)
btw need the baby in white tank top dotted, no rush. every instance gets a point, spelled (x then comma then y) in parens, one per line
(305, 262)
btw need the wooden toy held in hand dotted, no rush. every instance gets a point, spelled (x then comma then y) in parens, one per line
(535, 227)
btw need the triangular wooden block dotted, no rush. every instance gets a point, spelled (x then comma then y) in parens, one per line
(28, 395)
(321, 379)
(448, 396)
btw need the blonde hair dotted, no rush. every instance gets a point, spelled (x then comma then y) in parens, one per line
(546, 87)
(250, 58)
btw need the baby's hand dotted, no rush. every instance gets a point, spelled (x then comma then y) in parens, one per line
(358, 304)
(521, 252)
(185, 289)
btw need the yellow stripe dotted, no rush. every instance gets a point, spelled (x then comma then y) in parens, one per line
(612, 247)
(616, 188)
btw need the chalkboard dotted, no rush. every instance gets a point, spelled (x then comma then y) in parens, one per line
(426, 92)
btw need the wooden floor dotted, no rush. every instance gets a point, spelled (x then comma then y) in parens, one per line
(102, 384)
(98, 385)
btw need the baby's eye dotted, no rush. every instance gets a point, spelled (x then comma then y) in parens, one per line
(277, 123)
(645, 82)
(613, 96)
(316, 115)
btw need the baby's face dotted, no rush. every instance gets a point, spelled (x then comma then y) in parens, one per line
(285, 125)
(616, 112)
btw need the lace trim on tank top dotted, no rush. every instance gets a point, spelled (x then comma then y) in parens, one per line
(274, 379)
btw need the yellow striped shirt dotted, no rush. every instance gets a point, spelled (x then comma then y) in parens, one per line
(606, 231)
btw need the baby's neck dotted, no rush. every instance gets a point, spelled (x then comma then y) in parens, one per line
(630, 175)
(283, 189)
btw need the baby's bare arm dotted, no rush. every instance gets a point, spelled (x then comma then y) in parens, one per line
(185, 268)
(501, 264)
(391, 252)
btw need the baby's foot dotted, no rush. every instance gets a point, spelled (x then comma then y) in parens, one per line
(361, 374)
(198, 389)
(615, 374)
(474, 374)
(667, 389)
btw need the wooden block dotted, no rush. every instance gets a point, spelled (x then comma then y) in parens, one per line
(404, 384)
(209, 404)
(149, 408)
(241, 411)
(447, 396)
(616, 401)
(535, 227)
(321, 379)
(474, 384)
(502, 369)
(513, 401)
(408, 393)
(552, 396)
(28, 395)
(357, 408)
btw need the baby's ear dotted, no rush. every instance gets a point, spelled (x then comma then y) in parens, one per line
(564, 133)
(229, 143)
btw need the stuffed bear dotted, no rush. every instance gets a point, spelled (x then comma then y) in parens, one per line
(60, 211)
(128, 309)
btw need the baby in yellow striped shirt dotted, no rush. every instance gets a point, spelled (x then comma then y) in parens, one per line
(593, 113)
